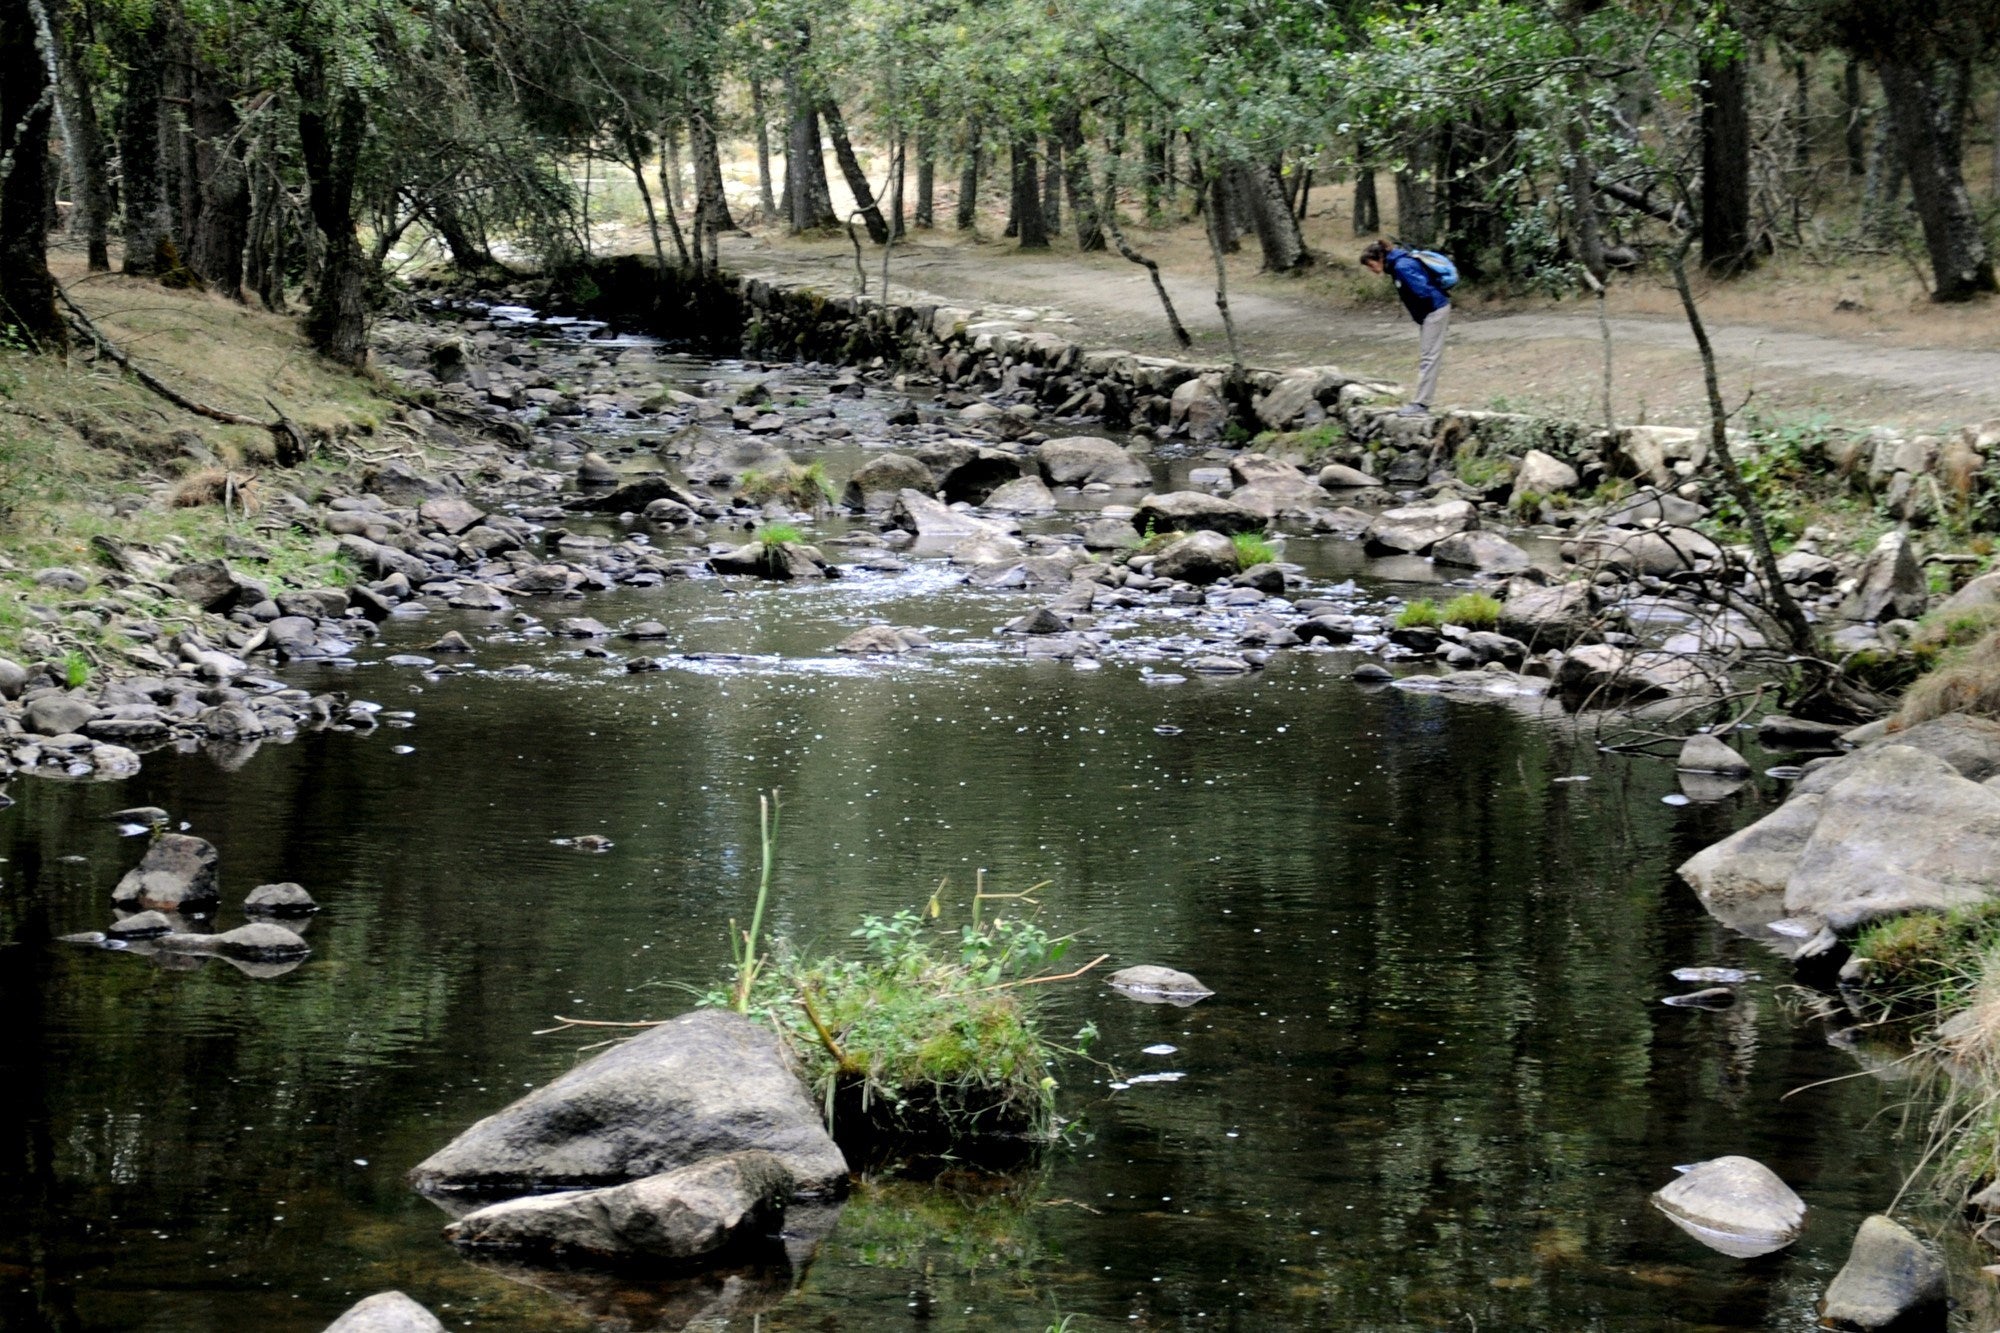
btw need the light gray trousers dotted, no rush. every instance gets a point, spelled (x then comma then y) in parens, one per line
(1430, 354)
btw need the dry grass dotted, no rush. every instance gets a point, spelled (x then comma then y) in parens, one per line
(215, 486)
(1965, 681)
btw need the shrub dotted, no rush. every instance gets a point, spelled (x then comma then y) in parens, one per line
(1966, 680)
(778, 534)
(1253, 548)
(1420, 614)
(802, 485)
(76, 669)
(1474, 610)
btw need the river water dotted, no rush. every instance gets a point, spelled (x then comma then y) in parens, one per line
(1433, 1091)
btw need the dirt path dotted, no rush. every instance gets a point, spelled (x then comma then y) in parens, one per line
(1543, 360)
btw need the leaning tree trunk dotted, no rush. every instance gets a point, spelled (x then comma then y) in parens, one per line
(84, 146)
(1725, 165)
(1278, 236)
(1961, 267)
(1028, 221)
(27, 108)
(857, 179)
(968, 179)
(332, 126)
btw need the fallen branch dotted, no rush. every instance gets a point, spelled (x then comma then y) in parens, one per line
(1036, 981)
(289, 440)
(564, 1024)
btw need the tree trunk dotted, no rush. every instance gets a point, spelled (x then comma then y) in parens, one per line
(84, 146)
(27, 108)
(1367, 209)
(808, 202)
(1259, 188)
(1856, 142)
(265, 262)
(332, 126)
(1157, 176)
(1077, 183)
(1725, 165)
(1028, 221)
(1305, 192)
(1883, 189)
(1416, 218)
(857, 179)
(221, 223)
(1052, 180)
(925, 215)
(711, 206)
(759, 114)
(1960, 264)
(468, 253)
(147, 232)
(1110, 215)
(968, 179)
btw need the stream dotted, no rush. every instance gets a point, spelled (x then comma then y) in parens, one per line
(1433, 1091)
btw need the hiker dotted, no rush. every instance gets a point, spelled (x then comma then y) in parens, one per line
(1424, 292)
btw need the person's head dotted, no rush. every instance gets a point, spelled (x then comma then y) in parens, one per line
(1374, 256)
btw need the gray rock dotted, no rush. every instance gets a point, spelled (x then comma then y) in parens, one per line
(452, 642)
(58, 714)
(1652, 506)
(935, 525)
(449, 515)
(1546, 617)
(1197, 406)
(708, 1082)
(1891, 1280)
(582, 627)
(1779, 732)
(13, 678)
(1601, 676)
(883, 639)
(1297, 397)
(1798, 566)
(1735, 1205)
(1415, 529)
(1185, 511)
(386, 1312)
(688, 1213)
(233, 722)
(1741, 880)
(1039, 621)
(1891, 582)
(140, 926)
(479, 597)
(1199, 558)
(1340, 477)
(279, 900)
(1079, 460)
(1657, 552)
(597, 470)
(61, 579)
(206, 583)
(263, 941)
(783, 561)
(876, 483)
(1283, 498)
(1544, 474)
(177, 874)
(1487, 552)
(1704, 753)
(1023, 495)
(1980, 594)
(636, 496)
(400, 484)
(1109, 534)
(1969, 744)
(1150, 981)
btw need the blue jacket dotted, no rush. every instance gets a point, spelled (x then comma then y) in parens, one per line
(1415, 284)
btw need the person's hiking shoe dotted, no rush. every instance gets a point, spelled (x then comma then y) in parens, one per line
(1413, 410)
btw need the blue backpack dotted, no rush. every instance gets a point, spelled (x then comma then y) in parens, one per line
(1440, 266)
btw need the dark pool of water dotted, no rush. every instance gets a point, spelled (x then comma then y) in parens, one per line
(1433, 1091)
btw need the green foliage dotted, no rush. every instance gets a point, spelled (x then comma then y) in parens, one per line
(1423, 613)
(76, 669)
(1236, 433)
(1313, 443)
(1526, 504)
(928, 1032)
(1474, 610)
(1478, 470)
(1928, 960)
(778, 534)
(1253, 548)
(801, 485)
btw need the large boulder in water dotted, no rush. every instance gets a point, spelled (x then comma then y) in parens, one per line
(177, 874)
(938, 526)
(1888, 830)
(876, 483)
(1547, 617)
(1188, 511)
(386, 1312)
(1735, 1205)
(706, 1083)
(1199, 558)
(1891, 1280)
(678, 1215)
(1414, 529)
(1079, 460)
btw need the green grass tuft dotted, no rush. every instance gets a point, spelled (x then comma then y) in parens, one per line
(1253, 548)
(1420, 614)
(1474, 610)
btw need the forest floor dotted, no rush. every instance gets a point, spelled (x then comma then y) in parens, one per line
(1890, 358)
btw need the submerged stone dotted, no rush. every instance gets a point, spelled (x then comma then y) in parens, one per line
(1734, 1205)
